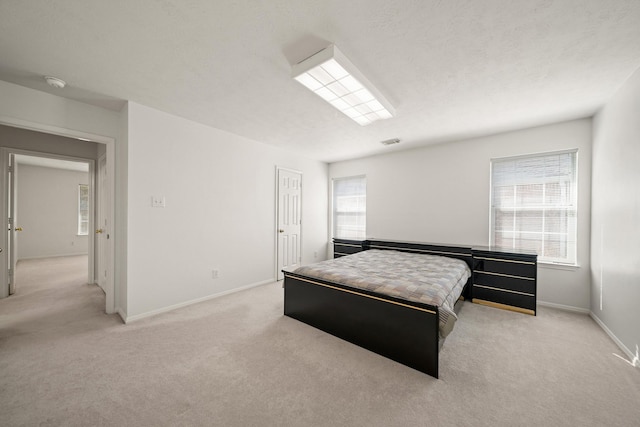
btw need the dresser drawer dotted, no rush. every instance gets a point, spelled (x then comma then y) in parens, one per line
(504, 281)
(506, 266)
(501, 296)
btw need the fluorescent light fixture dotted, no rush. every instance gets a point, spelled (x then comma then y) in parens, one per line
(331, 76)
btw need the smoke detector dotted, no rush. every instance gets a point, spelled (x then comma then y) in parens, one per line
(55, 82)
(390, 141)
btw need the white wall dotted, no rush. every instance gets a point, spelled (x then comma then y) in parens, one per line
(32, 106)
(23, 139)
(615, 250)
(220, 210)
(121, 214)
(220, 192)
(440, 194)
(47, 210)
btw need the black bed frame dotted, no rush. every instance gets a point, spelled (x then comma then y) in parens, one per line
(401, 330)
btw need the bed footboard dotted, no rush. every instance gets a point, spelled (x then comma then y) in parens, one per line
(401, 331)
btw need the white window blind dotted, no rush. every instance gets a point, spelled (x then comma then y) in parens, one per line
(350, 208)
(83, 210)
(534, 204)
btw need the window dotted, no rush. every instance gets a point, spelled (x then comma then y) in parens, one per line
(534, 203)
(350, 208)
(83, 210)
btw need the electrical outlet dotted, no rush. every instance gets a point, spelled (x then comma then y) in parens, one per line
(315, 254)
(214, 274)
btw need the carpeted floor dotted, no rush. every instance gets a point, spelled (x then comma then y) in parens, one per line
(237, 361)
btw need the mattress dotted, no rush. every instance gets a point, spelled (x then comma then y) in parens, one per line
(429, 279)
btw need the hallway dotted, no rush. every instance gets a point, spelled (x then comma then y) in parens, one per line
(51, 295)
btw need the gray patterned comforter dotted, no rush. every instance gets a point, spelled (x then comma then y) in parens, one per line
(429, 279)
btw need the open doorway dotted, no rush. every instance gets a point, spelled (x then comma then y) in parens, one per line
(66, 145)
(51, 207)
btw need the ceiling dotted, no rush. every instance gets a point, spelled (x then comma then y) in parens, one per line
(452, 69)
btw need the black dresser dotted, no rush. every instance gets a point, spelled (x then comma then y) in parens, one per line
(505, 279)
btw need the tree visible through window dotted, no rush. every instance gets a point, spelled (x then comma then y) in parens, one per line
(83, 209)
(534, 205)
(350, 208)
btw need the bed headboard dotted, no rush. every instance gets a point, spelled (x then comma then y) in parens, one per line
(460, 252)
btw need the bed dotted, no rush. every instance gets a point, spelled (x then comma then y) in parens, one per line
(375, 298)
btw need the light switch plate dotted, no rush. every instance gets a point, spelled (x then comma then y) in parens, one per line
(157, 201)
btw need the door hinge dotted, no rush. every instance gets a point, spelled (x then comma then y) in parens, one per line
(10, 169)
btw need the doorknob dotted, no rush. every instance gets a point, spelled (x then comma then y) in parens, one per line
(280, 231)
(99, 231)
(18, 228)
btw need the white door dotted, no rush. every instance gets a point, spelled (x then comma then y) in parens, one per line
(289, 220)
(101, 224)
(13, 228)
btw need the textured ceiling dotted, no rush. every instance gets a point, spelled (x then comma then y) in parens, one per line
(452, 69)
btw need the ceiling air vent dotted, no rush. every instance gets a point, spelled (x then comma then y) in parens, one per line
(390, 141)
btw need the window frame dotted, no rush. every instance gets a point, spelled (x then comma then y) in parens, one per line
(333, 207)
(571, 245)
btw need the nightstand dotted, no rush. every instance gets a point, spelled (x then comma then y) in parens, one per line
(342, 247)
(505, 279)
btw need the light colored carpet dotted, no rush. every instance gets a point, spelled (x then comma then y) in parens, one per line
(237, 361)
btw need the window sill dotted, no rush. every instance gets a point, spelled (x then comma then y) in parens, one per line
(554, 266)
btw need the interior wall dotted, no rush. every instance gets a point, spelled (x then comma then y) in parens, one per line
(32, 106)
(138, 132)
(121, 214)
(24, 139)
(440, 194)
(615, 243)
(219, 191)
(47, 210)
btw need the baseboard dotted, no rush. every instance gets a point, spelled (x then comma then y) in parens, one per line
(600, 323)
(52, 256)
(615, 339)
(129, 319)
(564, 307)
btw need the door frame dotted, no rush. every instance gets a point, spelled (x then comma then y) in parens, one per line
(277, 214)
(110, 306)
(101, 204)
(12, 249)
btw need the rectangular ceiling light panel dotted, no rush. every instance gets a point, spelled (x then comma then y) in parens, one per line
(331, 76)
